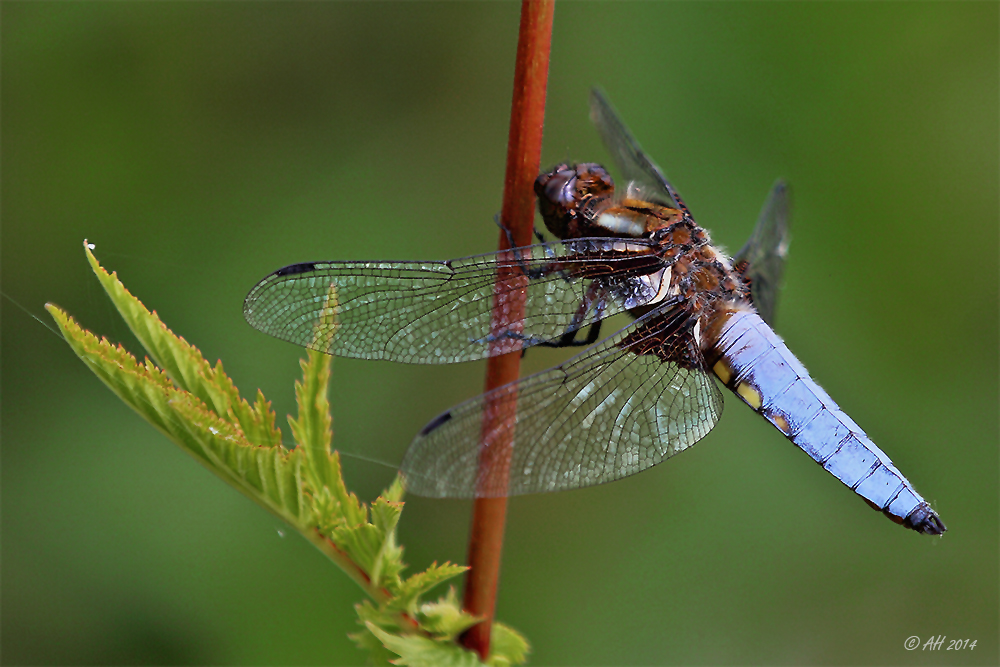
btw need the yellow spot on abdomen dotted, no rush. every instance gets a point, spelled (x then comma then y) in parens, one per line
(782, 424)
(749, 394)
(722, 371)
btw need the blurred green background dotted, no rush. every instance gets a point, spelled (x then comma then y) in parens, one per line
(200, 146)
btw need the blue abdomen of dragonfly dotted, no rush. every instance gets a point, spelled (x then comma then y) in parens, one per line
(755, 364)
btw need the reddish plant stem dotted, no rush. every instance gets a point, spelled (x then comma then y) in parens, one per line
(524, 151)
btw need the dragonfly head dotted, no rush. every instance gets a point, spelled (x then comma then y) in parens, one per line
(566, 190)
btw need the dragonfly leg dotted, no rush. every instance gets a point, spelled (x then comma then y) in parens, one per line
(498, 221)
(568, 339)
(591, 301)
(518, 256)
(515, 249)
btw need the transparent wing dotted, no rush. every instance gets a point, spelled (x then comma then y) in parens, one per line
(648, 182)
(440, 312)
(766, 250)
(624, 405)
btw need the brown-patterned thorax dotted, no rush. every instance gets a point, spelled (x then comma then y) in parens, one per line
(577, 201)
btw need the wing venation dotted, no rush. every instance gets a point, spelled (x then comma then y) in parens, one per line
(440, 312)
(647, 180)
(765, 251)
(605, 414)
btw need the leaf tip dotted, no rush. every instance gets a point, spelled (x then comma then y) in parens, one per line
(87, 248)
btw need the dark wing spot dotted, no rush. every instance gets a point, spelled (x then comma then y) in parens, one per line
(292, 269)
(441, 419)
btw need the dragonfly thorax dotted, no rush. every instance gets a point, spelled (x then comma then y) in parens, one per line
(577, 201)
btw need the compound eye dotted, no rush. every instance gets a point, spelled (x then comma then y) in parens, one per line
(557, 199)
(557, 187)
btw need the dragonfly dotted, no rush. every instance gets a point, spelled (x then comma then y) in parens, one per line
(625, 402)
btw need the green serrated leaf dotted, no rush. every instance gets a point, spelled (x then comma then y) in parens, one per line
(417, 651)
(199, 407)
(378, 654)
(507, 647)
(388, 622)
(385, 514)
(388, 562)
(416, 585)
(213, 429)
(392, 566)
(313, 428)
(258, 421)
(352, 510)
(362, 542)
(380, 616)
(394, 492)
(182, 362)
(266, 475)
(144, 387)
(444, 618)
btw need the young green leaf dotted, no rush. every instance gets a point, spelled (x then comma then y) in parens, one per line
(197, 406)
(507, 647)
(182, 362)
(418, 651)
(313, 429)
(444, 618)
(268, 475)
(418, 584)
